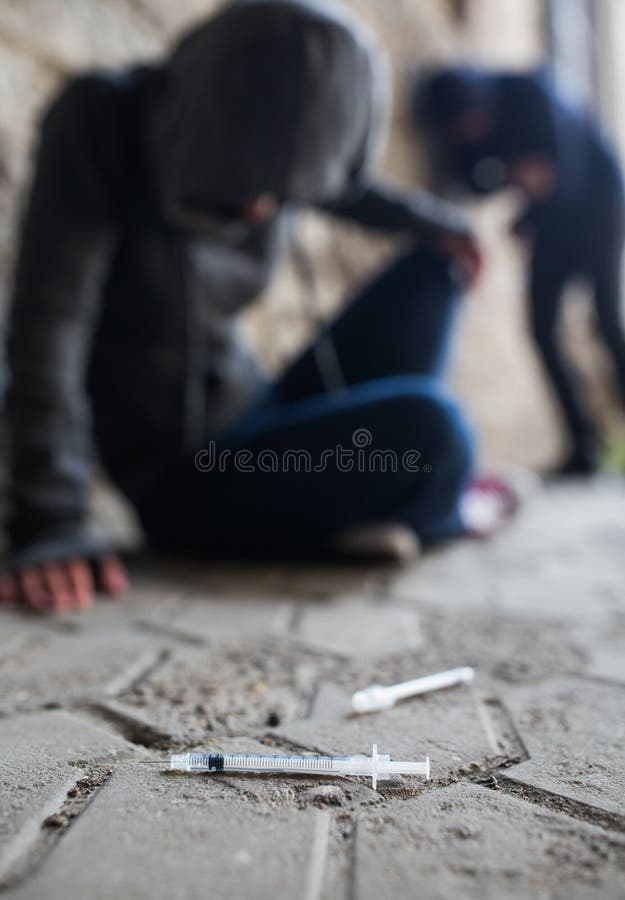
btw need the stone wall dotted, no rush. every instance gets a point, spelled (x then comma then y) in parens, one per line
(43, 41)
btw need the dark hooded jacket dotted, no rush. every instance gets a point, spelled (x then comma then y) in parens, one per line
(132, 268)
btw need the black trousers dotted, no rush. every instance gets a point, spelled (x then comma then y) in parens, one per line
(554, 265)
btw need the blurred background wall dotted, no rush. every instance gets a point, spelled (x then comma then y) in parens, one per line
(43, 41)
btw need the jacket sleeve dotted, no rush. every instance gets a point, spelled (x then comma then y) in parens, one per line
(394, 211)
(66, 242)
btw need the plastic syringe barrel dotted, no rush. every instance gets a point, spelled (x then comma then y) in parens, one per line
(250, 762)
(298, 765)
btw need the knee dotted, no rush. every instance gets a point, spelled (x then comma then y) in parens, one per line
(429, 424)
(450, 448)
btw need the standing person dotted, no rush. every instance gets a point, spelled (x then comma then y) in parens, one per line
(158, 211)
(508, 129)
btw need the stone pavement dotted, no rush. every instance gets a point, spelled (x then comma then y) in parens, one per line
(527, 798)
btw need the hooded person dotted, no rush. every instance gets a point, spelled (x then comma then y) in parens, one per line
(160, 205)
(495, 130)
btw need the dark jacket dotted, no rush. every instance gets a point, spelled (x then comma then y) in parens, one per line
(131, 271)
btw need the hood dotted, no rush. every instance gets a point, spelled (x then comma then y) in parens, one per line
(282, 97)
(441, 96)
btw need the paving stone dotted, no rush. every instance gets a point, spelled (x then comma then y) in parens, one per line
(564, 555)
(556, 589)
(142, 603)
(17, 630)
(139, 728)
(332, 703)
(150, 835)
(201, 657)
(233, 617)
(229, 689)
(567, 586)
(456, 577)
(61, 668)
(358, 627)
(133, 614)
(38, 756)
(562, 558)
(572, 521)
(602, 645)
(574, 732)
(502, 648)
(452, 727)
(470, 842)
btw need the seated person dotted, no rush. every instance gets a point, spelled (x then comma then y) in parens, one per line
(161, 202)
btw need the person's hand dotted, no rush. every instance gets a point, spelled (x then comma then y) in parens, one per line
(536, 176)
(63, 586)
(464, 249)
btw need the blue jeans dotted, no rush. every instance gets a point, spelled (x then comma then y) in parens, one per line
(306, 464)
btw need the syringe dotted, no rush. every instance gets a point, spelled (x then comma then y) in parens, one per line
(378, 767)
